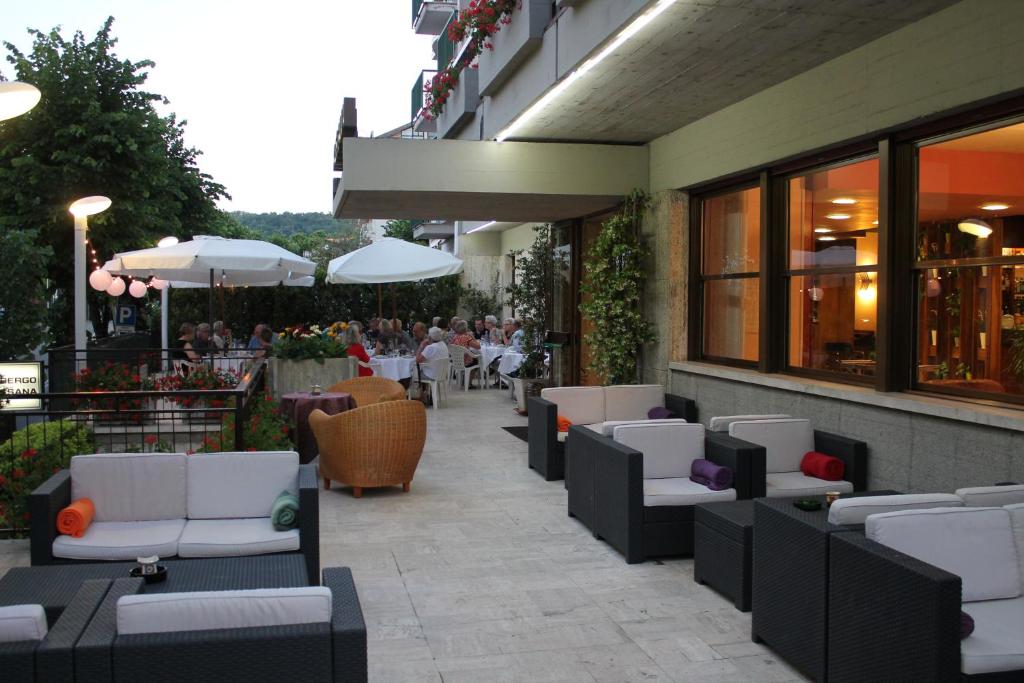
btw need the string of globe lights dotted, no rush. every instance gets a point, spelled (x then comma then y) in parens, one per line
(102, 281)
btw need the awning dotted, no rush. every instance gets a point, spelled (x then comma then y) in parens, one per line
(482, 180)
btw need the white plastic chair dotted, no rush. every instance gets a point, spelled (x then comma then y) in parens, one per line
(460, 372)
(440, 368)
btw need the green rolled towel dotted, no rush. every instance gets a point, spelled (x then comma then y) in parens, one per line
(284, 515)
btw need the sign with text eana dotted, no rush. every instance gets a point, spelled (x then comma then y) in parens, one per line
(20, 386)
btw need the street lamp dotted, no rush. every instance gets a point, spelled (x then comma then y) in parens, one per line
(81, 210)
(16, 98)
(164, 288)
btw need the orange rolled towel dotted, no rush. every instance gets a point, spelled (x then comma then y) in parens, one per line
(76, 518)
(563, 424)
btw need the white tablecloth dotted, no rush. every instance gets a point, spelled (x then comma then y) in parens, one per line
(489, 353)
(393, 368)
(510, 361)
(231, 363)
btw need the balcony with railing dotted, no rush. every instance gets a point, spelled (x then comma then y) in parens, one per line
(420, 123)
(430, 17)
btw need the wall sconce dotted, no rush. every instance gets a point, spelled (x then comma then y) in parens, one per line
(975, 226)
(866, 290)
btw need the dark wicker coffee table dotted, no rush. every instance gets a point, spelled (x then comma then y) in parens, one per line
(722, 546)
(789, 588)
(53, 586)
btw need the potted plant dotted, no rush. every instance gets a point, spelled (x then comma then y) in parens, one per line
(104, 380)
(305, 355)
(531, 292)
(203, 378)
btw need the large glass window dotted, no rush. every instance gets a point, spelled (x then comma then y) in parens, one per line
(970, 264)
(832, 226)
(730, 267)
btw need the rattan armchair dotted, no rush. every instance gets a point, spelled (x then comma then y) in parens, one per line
(368, 390)
(378, 445)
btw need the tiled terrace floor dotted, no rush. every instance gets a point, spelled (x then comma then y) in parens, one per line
(478, 574)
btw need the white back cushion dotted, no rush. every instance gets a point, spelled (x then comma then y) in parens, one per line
(169, 612)
(22, 622)
(785, 441)
(1017, 522)
(632, 401)
(856, 510)
(234, 485)
(669, 449)
(721, 424)
(131, 487)
(580, 405)
(976, 544)
(992, 496)
(608, 428)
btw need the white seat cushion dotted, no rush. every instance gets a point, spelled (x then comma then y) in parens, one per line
(632, 401)
(171, 612)
(856, 510)
(669, 449)
(122, 540)
(682, 491)
(785, 441)
(233, 485)
(131, 487)
(234, 537)
(976, 544)
(562, 436)
(608, 428)
(1017, 522)
(992, 496)
(997, 643)
(22, 622)
(580, 405)
(721, 424)
(795, 484)
(595, 427)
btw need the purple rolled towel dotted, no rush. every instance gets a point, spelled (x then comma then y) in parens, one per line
(966, 624)
(718, 478)
(659, 413)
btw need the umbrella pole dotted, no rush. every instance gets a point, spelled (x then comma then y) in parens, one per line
(211, 299)
(380, 305)
(394, 304)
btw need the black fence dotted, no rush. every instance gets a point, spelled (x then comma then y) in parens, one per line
(35, 443)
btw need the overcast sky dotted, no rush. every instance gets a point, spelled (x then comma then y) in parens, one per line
(260, 83)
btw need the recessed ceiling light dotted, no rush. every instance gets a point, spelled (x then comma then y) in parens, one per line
(844, 200)
(837, 216)
(822, 230)
(874, 222)
(826, 239)
(995, 206)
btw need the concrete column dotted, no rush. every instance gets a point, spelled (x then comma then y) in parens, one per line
(80, 277)
(665, 230)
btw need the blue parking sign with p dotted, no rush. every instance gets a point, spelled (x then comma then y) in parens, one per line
(125, 315)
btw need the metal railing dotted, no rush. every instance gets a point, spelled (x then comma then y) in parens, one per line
(417, 92)
(35, 443)
(445, 46)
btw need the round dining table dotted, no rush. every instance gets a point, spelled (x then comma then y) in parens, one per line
(394, 367)
(298, 405)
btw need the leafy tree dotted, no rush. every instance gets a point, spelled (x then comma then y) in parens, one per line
(403, 230)
(22, 293)
(95, 131)
(479, 303)
(613, 279)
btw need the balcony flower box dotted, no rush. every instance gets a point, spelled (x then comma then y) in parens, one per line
(513, 43)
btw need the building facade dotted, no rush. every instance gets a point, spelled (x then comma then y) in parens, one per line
(837, 219)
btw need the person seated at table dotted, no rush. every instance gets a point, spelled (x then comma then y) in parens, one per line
(404, 341)
(372, 331)
(442, 324)
(219, 339)
(267, 337)
(203, 343)
(491, 331)
(387, 340)
(255, 341)
(516, 340)
(435, 348)
(436, 322)
(464, 338)
(479, 332)
(354, 348)
(183, 348)
(419, 337)
(451, 328)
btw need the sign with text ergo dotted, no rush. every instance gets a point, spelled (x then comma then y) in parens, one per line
(21, 384)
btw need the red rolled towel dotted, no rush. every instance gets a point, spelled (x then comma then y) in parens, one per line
(563, 424)
(76, 518)
(822, 466)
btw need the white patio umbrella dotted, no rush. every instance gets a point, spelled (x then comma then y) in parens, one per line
(391, 260)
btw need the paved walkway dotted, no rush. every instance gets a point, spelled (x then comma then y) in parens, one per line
(478, 574)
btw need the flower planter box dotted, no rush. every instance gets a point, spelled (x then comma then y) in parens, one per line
(522, 389)
(461, 105)
(513, 43)
(288, 376)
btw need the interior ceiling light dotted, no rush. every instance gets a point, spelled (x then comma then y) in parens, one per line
(874, 222)
(837, 216)
(481, 227)
(560, 87)
(826, 239)
(844, 200)
(995, 206)
(822, 230)
(974, 226)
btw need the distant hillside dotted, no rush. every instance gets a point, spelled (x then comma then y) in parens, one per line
(292, 223)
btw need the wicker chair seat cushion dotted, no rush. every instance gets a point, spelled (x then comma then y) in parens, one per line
(992, 496)
(793, 484)
(122, 540)
(997, 643)
(976, 544)
(581, 405)
(203, 611)
(131, 487)
(22, 622)
(669, 448)
(235, 538)
(682, 491)
(632, 401)
(856, 510)
(234, 485)
(786, 441)
(721, 423)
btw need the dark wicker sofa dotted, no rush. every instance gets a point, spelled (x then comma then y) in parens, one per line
(547, 453)
(606, 492)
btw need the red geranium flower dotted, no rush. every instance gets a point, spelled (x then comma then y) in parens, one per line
(151, 439)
